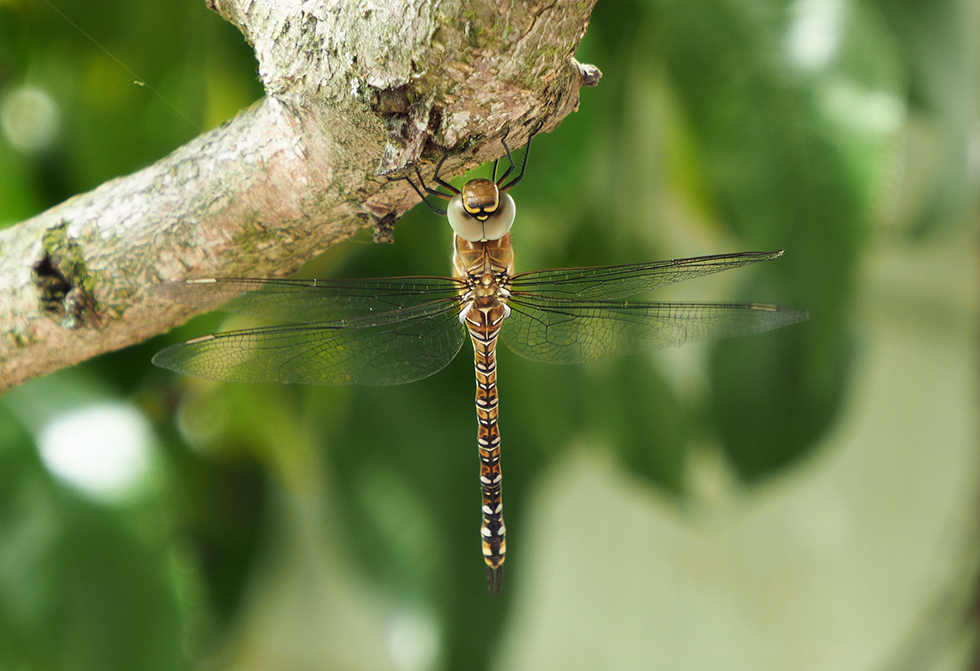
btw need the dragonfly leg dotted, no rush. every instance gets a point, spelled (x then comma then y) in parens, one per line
(510, 157)
(527, 152)
(425, 191)
(440, 181)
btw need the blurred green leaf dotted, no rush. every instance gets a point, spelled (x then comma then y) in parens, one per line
(781, 162)
(635, 407)
(79, 588)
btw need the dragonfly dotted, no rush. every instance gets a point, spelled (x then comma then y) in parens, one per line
(397, 330)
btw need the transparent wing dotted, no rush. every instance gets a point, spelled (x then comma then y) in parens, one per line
(301, 301)
(392, 348)
(553, 330)
(611, 282)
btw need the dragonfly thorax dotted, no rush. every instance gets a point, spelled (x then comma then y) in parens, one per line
(481, 212)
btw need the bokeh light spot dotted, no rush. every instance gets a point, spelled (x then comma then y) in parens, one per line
(29, 118)
(814, 32)
(413, 641)
(101, 450)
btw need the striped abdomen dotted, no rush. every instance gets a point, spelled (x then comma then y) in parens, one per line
(484, 326)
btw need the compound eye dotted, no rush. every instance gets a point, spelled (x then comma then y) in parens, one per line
(498, 224)
(466, 225)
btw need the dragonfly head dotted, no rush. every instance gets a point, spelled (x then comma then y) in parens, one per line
(481, 212)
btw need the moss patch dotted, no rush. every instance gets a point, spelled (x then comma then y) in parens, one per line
(65, 286)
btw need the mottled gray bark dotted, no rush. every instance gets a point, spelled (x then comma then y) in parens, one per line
(356, 92)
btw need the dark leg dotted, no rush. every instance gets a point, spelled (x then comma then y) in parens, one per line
(438, 210)
(425, 190)
(440, 181)
(527, 152)
(510, 158)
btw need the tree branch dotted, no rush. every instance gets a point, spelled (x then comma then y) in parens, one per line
(355, 92)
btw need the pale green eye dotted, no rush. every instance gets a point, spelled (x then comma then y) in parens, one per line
(472, 229)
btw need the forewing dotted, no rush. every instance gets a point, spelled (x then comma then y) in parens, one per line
(612, 282)
(301, 301)
(399, 347)
(553, 330)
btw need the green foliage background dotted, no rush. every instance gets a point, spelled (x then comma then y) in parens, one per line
(337, 528)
